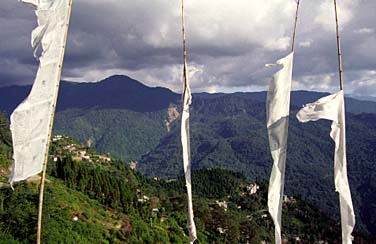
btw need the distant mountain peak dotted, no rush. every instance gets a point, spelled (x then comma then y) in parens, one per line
(121, 79)
(115, 92)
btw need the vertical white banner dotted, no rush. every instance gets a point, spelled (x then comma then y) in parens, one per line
(332, 108)
(277, 115)
(30, 121)
(185, 140)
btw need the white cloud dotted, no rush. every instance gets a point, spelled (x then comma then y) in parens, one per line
(226, 22)
(363, 83)
(306, 43)
(280, 44)
(326, 16)
(364, 31)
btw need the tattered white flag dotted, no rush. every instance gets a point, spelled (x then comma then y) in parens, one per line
(187, 100)
(332, 108)
(30, 121)
(277, 115)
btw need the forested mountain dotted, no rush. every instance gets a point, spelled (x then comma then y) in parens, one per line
(92, 198)
(229, 132)
(129, 120)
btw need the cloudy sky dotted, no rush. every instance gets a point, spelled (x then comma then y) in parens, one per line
(228, 42)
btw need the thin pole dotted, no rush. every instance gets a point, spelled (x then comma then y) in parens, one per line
(340, 71)
(184, 46)
(296, 22)
(43, 179)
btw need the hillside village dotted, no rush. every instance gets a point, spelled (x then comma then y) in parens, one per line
(79, 152)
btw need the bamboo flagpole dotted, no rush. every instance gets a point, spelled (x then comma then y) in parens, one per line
(185, 78)
(340, 162)
(295, 24)
(338, 48)
(43, 178)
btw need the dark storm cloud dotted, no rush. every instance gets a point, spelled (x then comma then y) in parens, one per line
(228, 42)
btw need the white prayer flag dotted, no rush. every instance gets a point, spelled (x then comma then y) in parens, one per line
(332, 107)
(187, 100)
(30, 121)
(277, 115)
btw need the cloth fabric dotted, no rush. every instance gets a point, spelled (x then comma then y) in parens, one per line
(277, 112)
(332, 108)
(185, 140)
(30, 121)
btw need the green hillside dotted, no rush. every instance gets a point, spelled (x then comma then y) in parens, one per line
(5, 148)
(93, 198)
(229, 132)
(122, 133)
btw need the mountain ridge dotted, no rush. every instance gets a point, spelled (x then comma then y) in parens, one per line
(123, 92)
